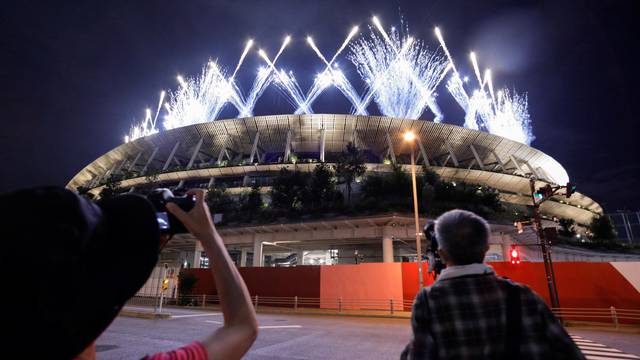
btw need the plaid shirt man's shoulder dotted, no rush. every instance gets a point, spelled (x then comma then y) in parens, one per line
(465, 318)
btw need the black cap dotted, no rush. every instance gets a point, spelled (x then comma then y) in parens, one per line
(70, 265)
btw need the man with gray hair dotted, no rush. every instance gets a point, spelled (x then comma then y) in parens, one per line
(470, 313)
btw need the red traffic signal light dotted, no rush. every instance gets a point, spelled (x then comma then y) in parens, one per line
(515, 255)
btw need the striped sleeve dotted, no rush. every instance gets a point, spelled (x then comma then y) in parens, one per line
(193, 351)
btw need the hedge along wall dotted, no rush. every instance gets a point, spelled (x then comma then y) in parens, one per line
(580, 284)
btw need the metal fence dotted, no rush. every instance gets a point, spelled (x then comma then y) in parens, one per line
(612, 315)
(606, 316)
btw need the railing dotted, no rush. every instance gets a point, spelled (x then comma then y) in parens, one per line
(608, 316)
(612, 315)
(339, 305)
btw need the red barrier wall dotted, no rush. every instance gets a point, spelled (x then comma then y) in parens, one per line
(410, 281)
(378, 282)
(580, 284)
(302, 281)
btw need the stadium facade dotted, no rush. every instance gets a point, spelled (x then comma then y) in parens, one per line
(245, 151)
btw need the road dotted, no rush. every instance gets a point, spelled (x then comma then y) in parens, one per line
(289, 336)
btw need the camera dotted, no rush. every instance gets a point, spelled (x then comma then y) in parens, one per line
(167, 222)
(435, 262)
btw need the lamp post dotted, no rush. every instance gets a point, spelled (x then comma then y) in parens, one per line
(410, 137)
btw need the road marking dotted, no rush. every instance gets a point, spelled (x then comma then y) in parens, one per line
(280, 327)
(263, 327)
(194, 315)
(589, 344)
(594, 351)
(611, 355)
(599, 349)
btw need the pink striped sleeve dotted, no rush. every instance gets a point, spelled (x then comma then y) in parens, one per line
(193, 351)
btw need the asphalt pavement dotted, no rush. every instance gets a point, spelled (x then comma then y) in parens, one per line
(297, 336)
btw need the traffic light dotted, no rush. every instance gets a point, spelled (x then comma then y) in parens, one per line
(571, 188)
(544, 192)
(165, 284)
(519, 226)
(515, 255)
(551, 235)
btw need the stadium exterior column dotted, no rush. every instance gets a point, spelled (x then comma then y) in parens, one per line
(257, 252)
(197, 253)
(173, 152)
(387, 245)
(243, 257)
(287, 149)
(322, 142)
(153, 155)
(254, 147)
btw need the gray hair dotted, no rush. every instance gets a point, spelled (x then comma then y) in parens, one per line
(463, 235)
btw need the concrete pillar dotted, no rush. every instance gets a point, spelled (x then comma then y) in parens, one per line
(243, 257)
(300, 257)
(323, 138)
(197, 251)
(257, 253)
(387, 246)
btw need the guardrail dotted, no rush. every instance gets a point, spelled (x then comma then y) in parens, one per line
(339, 305)
(611, 315)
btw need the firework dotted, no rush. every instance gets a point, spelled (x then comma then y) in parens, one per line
(400, 75)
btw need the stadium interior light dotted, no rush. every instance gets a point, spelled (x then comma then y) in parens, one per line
(409, 136)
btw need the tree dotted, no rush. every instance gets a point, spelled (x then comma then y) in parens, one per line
(288, 190)
(566, 227)
(84, 191)
(429, 176)
(111, 188)
(321, 190)
(252, 201)
(219, 201)
(602, 229)
(350, 166)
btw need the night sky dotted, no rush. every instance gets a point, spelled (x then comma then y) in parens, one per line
(75, 75)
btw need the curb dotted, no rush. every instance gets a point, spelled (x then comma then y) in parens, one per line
(145, 315)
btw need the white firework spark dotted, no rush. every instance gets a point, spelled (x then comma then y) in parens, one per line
(199, 99)
(400, 73)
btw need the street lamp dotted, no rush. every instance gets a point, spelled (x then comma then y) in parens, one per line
(410, 137)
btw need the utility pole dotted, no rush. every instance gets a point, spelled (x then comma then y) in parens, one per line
(542, 195)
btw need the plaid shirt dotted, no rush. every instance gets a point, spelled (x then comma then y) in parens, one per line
(465, 318)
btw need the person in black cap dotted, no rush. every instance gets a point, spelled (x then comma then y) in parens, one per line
(71, 265)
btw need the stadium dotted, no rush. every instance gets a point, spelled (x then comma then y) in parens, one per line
(242, 152)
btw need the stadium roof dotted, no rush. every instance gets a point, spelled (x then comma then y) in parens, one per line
(457, 153)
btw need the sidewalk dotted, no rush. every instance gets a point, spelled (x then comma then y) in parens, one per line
(147, 312)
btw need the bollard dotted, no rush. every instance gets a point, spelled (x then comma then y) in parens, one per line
(255, 305)
(295, 303)
(391, 306)
(204, 300)
(339, 304)
(614, 316)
